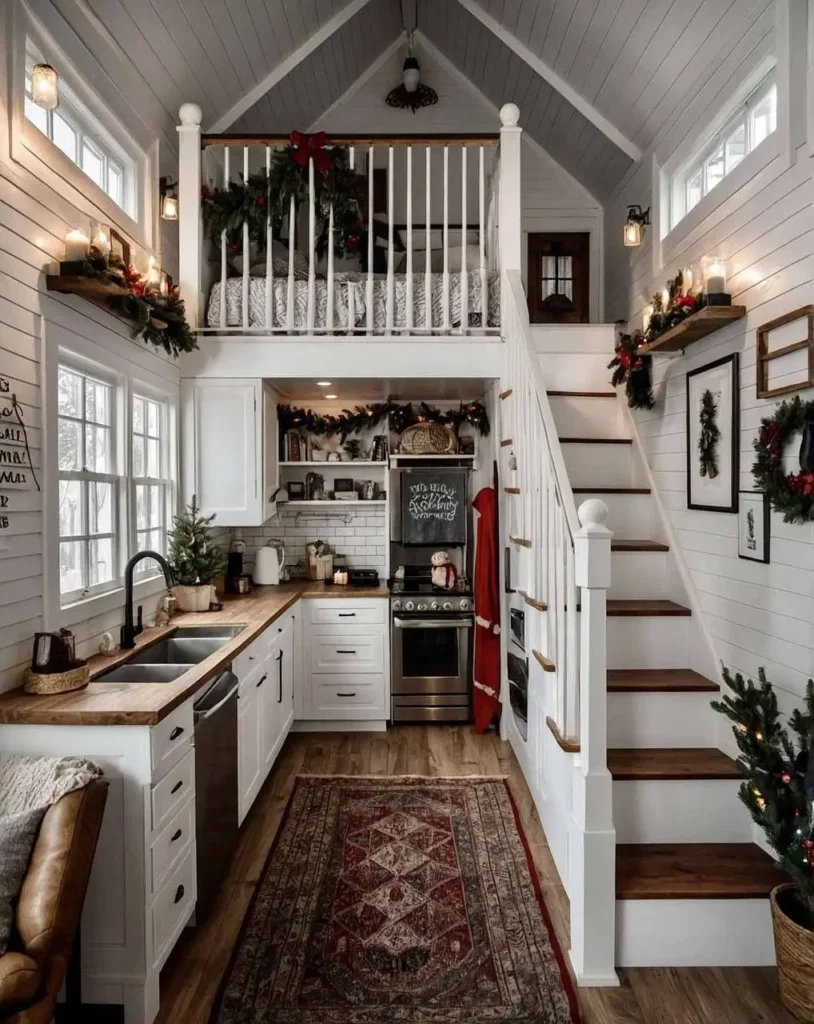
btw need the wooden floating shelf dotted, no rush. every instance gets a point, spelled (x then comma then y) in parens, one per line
(695, 327)
(94, 289)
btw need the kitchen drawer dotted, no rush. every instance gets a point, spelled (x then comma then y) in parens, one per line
(336, 696)
(246, 663)
(347, 653)
(347, 612)
(167, 795)
(172, 907)
(172, 843)
(170, 739)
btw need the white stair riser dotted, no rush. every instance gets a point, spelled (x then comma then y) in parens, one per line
(651, 641)
(639, 575)
(693, 933)
(652, 720)
(630, 515)
(576, 372)
(587, 417)
(680, 811)
(602, 465)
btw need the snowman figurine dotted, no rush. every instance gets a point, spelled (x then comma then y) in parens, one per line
(444, 573)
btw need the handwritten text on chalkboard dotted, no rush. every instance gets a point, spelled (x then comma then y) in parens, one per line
(433, 501)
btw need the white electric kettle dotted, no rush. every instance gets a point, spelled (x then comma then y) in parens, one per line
(268, 563)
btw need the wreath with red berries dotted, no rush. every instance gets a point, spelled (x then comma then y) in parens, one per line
(633, 369)
(791, 495)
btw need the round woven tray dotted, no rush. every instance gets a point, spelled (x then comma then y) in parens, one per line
(57, 682)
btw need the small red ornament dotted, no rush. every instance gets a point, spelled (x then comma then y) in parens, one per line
(261, 201)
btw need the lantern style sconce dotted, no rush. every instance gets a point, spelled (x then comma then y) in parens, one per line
(714, 270)
(636, 220)
(169, 198)
(45, 86)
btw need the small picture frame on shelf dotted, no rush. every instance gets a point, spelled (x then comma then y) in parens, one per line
(296, 490)
(754, 526)
(119, 247)
(713, 436)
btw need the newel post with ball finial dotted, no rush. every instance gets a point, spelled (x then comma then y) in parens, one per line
(509, 186)
(189, 210)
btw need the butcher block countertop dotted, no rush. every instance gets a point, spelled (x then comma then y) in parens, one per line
(148, 703)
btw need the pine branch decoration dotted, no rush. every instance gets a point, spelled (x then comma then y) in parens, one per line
(710, 435)
(193, 557)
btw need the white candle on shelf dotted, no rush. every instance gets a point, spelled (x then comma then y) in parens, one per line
(665, 299)
(647, 312)
(716, 278)
(76, 245)
(153, 276)
(101, 239)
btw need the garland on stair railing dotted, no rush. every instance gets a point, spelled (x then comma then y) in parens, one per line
(634, 370)
(399, 414)
(791, 495)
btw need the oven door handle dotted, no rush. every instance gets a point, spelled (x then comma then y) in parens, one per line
(432, 623)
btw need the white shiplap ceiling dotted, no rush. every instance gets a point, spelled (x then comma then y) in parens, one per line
(596, 80)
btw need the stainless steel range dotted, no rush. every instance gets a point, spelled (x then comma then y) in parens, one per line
(431, 649)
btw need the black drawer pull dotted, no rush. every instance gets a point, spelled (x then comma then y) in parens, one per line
(345, 694)
(177, 836)
(346, 652)
(179, 894)
(177, 786)
(347, 615)
(176, 732)
(265, 677)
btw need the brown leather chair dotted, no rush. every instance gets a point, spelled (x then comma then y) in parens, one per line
(50, 906)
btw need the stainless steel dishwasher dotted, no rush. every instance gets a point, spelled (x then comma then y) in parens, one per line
(215, 717)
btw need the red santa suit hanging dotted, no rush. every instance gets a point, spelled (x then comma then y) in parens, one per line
(486, 694)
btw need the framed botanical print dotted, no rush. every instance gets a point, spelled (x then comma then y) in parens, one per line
(713, 428)
(754, 526)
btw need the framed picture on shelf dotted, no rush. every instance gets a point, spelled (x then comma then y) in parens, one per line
(296, 490)
(754, 526)
(713, 428)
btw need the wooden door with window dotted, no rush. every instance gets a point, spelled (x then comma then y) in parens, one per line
(558, 275)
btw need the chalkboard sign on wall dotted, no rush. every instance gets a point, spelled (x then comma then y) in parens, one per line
(434, 506)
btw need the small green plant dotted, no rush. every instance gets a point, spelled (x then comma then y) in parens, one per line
(193, 557)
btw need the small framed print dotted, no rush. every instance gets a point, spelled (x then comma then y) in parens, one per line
(296, 490)
(754, 526)
(119, 246)
(713, 429)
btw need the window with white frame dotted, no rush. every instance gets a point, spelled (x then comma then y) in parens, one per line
(89, 483)
(754, 120)
(151, 473)
(74, 130)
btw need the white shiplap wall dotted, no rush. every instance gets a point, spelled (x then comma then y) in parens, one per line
(33, 222)
(757, 615)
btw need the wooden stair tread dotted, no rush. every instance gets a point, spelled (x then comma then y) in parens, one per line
(540, 606)
(543, 662)
(506, 443)
(596, 440)
(511, 490)
(582, 394)
(641, 608)
(611, 490)
(623, 544)
(694, 871)
(659, 680)
(635, 763)
(520, 542)
(505, 394)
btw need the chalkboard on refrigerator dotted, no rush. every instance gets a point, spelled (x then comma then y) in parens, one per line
(434, 507)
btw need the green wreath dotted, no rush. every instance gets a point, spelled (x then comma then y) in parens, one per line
(793, 495)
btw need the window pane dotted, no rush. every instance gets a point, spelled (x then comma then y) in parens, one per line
(714, 169)
(138, 414)
(97, 449)
(142, 507)
(71, 569)
(37, 115)
(100, 508)
(115, 177)
(138, 455)
(70, 508)
(69, 393)
(764, 117)
(152, 419)
(100, 561)
(155, 506)
(735, 148)
(564, 268)
(97, 401)
(155, 541)
(64, 136)
(93, 164)
(153, 463)
(70, 444)
(694, 188)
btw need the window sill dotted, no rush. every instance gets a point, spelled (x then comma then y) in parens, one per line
(113, 600)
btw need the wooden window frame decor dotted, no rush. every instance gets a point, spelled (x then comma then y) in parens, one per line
(746, 502)
(725, 446)
(765, 355)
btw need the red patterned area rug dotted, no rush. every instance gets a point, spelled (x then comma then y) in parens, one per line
(404, 900)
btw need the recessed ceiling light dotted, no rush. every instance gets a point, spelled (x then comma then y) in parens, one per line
(323, 383)
(332, 396)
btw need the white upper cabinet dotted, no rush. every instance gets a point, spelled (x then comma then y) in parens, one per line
(229, 448)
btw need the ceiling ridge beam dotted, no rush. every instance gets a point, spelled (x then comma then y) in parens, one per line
(568, 92)
(286, 66)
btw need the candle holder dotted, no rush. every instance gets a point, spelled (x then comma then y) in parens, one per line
(714, 272)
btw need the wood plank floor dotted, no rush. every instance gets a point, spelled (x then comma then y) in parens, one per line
(191, 977)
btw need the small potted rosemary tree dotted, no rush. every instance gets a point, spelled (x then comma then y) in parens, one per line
(194, 559)
(778, 787)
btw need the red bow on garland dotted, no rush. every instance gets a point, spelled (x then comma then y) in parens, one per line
(311, 147)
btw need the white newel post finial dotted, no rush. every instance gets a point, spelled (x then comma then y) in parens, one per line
(593, 840)
(509, 204)
(510, 115)
(189, 210)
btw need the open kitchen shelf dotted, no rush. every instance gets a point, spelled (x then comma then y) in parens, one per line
(695, 327)
(396, 457)
(332, 503)
(368, 464)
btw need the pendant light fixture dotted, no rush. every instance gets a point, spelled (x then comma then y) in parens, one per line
(45, 86)
(411, 94)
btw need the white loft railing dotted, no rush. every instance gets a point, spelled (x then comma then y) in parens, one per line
(441, 191)
(567, 573)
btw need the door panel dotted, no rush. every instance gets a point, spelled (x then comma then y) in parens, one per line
(558, 277)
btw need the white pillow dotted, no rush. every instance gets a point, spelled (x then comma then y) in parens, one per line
(472, 256)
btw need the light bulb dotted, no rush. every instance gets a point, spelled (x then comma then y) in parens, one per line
(169, 208)
(632, 233)
(45, 86)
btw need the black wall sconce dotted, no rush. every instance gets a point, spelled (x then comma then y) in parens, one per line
(636, 220)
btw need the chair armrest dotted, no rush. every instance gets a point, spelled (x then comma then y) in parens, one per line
(20, 981)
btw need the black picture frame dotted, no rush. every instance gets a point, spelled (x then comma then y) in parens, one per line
(296, 490)
(749, 501)
(730, 445)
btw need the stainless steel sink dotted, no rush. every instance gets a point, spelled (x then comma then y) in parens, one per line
(179, 651)
(167, 660)
(131, 673)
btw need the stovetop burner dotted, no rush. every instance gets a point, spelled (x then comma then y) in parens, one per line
(419, 581)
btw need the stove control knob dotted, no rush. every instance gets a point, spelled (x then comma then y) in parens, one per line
(464, 604)
(447, 606)
(396, 605)
(423, 606)
(435, 606)
(409, 606)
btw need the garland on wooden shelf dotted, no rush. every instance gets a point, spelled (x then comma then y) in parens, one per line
(634, 370)
(400, 415)
(710, 436)
(680, 304)
(265, 198)
(793, 495)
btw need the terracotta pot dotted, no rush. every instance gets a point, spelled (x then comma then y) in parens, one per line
(193, 599)
(794, 949)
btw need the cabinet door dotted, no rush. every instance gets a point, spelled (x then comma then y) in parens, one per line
(271, 457)
(271, 710)
(288, 648)
(222, 448)
(248, 751)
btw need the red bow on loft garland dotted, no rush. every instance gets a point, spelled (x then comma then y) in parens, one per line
(311, 147)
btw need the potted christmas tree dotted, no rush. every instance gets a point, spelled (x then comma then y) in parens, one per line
(778, 788)
(193, 558)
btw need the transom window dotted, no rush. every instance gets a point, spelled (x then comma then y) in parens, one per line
(76, 132)
(753, 122)
(88, 484)
(151, 474)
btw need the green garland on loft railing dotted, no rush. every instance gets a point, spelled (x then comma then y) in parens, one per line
(400, 416)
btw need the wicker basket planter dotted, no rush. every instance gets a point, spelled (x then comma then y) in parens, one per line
(794, 948)
(193, 599)
(75, 678)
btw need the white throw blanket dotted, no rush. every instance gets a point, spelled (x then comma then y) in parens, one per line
(27, 783)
